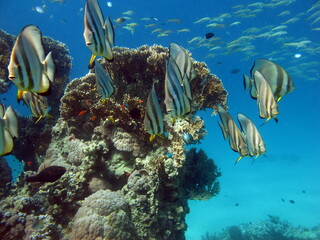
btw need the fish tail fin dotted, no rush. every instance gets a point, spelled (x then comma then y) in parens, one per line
(49, 66)
(11, 119)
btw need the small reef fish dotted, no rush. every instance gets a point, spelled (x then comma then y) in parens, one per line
(104, 81)
(39, 9)
(201, 20)
(130, 12)
(8, 129)
(28, 69)
(176, 101)
(49, 174)
(278, 79)
(183, 30)
(98, 35)
(255, 143)
(209, 35)
(121, 20)
(153, 120)
(230, 130)
(267, 104)
(174, 20)
(185, 66)
(37, 104)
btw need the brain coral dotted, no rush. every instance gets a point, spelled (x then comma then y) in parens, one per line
(103, 215)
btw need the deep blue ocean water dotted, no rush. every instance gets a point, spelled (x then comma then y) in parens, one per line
(291, 170)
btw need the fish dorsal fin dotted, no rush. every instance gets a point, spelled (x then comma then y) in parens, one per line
(48, 65)
(109, 31)
(224, 131)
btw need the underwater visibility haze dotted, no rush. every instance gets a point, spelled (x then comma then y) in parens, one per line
(160, 119)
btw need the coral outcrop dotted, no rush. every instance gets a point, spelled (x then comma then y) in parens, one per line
(271, 229)
(118, 184)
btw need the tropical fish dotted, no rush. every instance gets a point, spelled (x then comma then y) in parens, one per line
(255, 143)
(153, 120)
(183, 30)
(8, 129)
(209, 35)
(104, 81)
(278, 79)
(98, 35)
(37, 104)
(49, 174)
(267, 104)
(130, 12)
(231, 131)
(185, 66)
(28, 69)
(176, 101)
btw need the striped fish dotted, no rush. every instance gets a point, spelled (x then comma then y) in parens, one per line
(267, 104)
(104, 81)
(28, 69)
(8, 129)
(153, 120)
(185, 65)
(98, 35)
(231, 131)
(176, 101)
(253, 138)
(278, 79)
(37, 104)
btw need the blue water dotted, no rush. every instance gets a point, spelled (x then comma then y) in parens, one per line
(292, 164)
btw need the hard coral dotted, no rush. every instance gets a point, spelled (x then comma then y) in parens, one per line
(105, 215)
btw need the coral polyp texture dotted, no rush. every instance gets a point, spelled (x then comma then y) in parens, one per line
(118, 185)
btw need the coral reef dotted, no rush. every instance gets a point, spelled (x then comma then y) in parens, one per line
(118, 184)
(271, 229)
(5, 177)
(200, 178)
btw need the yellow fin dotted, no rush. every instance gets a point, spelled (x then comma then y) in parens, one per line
(93, 57)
